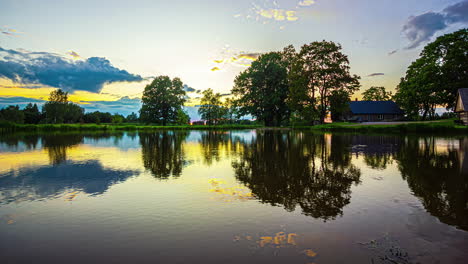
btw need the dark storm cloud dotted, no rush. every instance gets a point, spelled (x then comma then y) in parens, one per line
(54, 70)
(423, 27)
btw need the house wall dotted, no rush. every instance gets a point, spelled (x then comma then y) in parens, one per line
(376, 118)
(464, 117)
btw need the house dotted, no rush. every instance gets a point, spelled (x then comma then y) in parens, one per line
(374, 111)
(462, 105)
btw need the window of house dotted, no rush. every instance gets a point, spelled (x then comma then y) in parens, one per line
(380, 117)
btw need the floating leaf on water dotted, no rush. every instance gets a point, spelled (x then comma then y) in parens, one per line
(310, 253)
(291, 239)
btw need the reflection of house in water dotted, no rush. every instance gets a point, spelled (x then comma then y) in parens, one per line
(365, 144)
(463, 155)
(378, 151)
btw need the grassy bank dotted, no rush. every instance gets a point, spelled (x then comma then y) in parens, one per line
(445, 126)
(11, 127)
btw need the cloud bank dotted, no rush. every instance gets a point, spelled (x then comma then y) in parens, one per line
(56, 71)
(422, 28)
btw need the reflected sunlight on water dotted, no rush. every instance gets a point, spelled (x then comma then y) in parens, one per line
(234, 196)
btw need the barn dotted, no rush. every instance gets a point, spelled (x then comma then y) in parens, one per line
(374, 111)
(462, 105)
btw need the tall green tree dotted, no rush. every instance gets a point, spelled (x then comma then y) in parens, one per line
(262, 89)
(375, 93)
(339, 104)
(434, 78)
(132, 118)
(231, 110)
(162, 100)
(54, 110)
(182, 117)
(319, 69)
(59, 110)
(211, 108)
(31, 114)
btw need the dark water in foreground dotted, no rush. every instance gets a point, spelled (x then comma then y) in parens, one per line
(233, 197)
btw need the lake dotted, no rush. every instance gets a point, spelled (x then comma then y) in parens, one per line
(252, 196)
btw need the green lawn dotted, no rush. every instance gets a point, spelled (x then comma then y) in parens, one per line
(428, 126)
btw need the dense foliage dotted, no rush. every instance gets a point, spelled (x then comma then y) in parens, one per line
(211, 109)
(162, 99)
(262, 89)
(434, 78)
(302, 84)
(376, 94)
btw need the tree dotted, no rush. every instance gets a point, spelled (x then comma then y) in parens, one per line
(434, 78)
(12, 114)
(231, 110)
(376, 94)
(31, 114)
(59, 110)
(73, 113)
(339, 104)
(319, 69)
(182, 117)
(211, 109)
(161, 100)
(117, 119)
(54, 110)
(262, 89)
(132, 118)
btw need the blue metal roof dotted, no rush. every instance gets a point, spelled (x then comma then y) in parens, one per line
(374, 107)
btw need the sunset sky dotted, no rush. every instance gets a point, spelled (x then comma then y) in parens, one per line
(105, 52)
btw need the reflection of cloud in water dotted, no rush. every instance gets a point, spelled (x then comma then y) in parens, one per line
(229, 194)
(34, 183)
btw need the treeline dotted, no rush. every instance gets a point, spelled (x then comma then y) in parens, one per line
(288, 87)
(59, 110)
(277, 89)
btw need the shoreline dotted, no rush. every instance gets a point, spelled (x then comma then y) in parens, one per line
(441, 126)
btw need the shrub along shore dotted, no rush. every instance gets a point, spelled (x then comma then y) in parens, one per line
(445, 126)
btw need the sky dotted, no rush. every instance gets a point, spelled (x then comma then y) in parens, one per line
(105, 52)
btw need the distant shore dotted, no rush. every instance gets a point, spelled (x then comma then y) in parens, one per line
(439, 126)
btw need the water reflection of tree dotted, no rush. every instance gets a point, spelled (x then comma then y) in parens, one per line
(438, 178)
(299, 169)
(30, 141)
(58, 144)
(213, 143)
(162, 153)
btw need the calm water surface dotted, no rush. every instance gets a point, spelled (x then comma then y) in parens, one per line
(233, 197)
